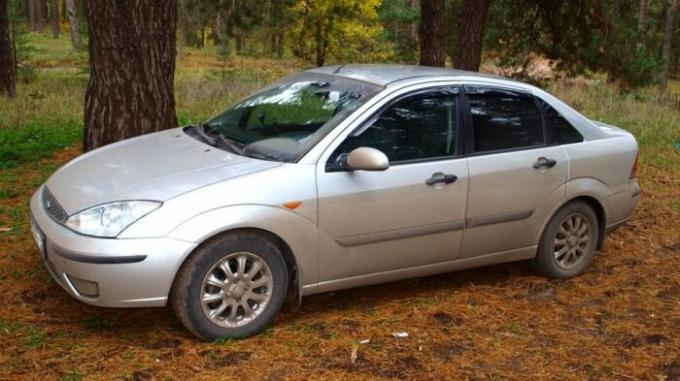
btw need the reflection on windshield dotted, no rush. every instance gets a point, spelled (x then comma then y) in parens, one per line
(284, 122)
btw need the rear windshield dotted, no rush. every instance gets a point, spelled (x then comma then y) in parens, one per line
(284, 121)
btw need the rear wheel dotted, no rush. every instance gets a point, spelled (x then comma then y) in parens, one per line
(231, 287)
(568, 243)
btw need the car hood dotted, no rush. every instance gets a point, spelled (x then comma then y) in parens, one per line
(157, 166)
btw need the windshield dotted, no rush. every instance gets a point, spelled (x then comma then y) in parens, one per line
(282, 122)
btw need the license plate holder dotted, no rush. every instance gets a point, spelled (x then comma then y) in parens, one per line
(39, 238)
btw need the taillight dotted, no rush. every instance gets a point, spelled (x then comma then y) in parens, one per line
(634, 170)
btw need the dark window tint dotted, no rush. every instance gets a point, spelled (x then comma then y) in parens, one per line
(561, 131)
(503, 121)
(415, 128)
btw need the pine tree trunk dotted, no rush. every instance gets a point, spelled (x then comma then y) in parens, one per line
(40, 7)
(432, 33)
(279, 44)
(8, 77)
(30, 10)
(321, 44)
(413, 27)
(72, 12)
(54, 18)
(132, 65)
(667, 43)
(471, 34)
(642, 22)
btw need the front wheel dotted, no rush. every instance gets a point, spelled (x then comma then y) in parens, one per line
(568, 243)
(231, 287)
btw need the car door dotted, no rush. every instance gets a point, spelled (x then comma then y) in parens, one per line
(516, 179)
(409, 215)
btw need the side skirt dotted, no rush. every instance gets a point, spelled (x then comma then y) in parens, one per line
(420, 271)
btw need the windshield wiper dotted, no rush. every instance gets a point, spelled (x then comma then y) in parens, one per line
(200, 131)
(206, 132)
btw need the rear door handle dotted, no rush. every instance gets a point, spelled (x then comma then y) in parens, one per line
(544, 162)
(441, 177)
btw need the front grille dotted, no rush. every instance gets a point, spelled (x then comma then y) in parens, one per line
(52, 207)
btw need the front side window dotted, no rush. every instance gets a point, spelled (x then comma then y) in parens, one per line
(283, 122)
(416, 128)
(505, 121)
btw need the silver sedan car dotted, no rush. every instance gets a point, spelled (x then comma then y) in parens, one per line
(333, 178)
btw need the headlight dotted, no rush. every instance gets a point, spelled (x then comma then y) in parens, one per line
(109, 220)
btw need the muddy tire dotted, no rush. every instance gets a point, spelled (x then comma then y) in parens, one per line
(568, 243)
(231, 287)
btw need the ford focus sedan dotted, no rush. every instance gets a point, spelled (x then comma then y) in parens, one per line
(333, 178)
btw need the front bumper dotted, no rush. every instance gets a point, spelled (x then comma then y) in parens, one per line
(127, 272)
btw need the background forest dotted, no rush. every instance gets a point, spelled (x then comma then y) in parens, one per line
(612, 60)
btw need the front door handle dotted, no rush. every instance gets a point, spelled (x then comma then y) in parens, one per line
(544, 162)
(440, 177)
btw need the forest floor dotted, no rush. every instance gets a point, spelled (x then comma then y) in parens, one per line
(618, 321)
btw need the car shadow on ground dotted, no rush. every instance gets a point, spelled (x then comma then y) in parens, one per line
(138, 323)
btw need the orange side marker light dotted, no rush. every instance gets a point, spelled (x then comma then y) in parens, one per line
(292, 204)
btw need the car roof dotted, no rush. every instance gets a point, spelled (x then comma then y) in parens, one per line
(385, 74)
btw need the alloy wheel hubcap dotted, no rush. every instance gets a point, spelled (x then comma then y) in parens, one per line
(572, 240)
(236, 290)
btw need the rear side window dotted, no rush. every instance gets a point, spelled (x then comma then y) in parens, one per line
(417, 128)
(560, 130)
(503, 121)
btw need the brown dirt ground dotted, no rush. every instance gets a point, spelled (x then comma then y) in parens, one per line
(619, 321)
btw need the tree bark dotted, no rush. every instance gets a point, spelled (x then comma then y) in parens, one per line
(8, 77)
(667, 43)
(413, 27)
(642, 23)
(54, 18)
(471, 34)
(72, 12)
(321, 43)
(40, 9)
(132, 65)
(432, 33)
(30, 11)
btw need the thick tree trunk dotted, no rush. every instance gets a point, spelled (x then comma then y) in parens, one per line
(72, 12)
(132, 66)
(8, 77)
(667, 43)
(432, 33)
(54, 18)
(471, 34)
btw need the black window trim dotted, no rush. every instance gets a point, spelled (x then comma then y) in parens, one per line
(550, 129)
(469, 128)
(446, 90)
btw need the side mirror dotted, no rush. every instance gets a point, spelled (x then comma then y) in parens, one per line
(365, 159)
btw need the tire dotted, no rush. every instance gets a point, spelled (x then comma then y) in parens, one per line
(261, 285)
(560, 255)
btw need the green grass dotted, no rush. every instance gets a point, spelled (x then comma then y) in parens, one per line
(35, 140)
(642, 112)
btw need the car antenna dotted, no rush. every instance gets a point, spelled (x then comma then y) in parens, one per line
(336, 71)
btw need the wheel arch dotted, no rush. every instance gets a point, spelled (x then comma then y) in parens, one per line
(293, 234)
(294, 291)
(594, 204)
